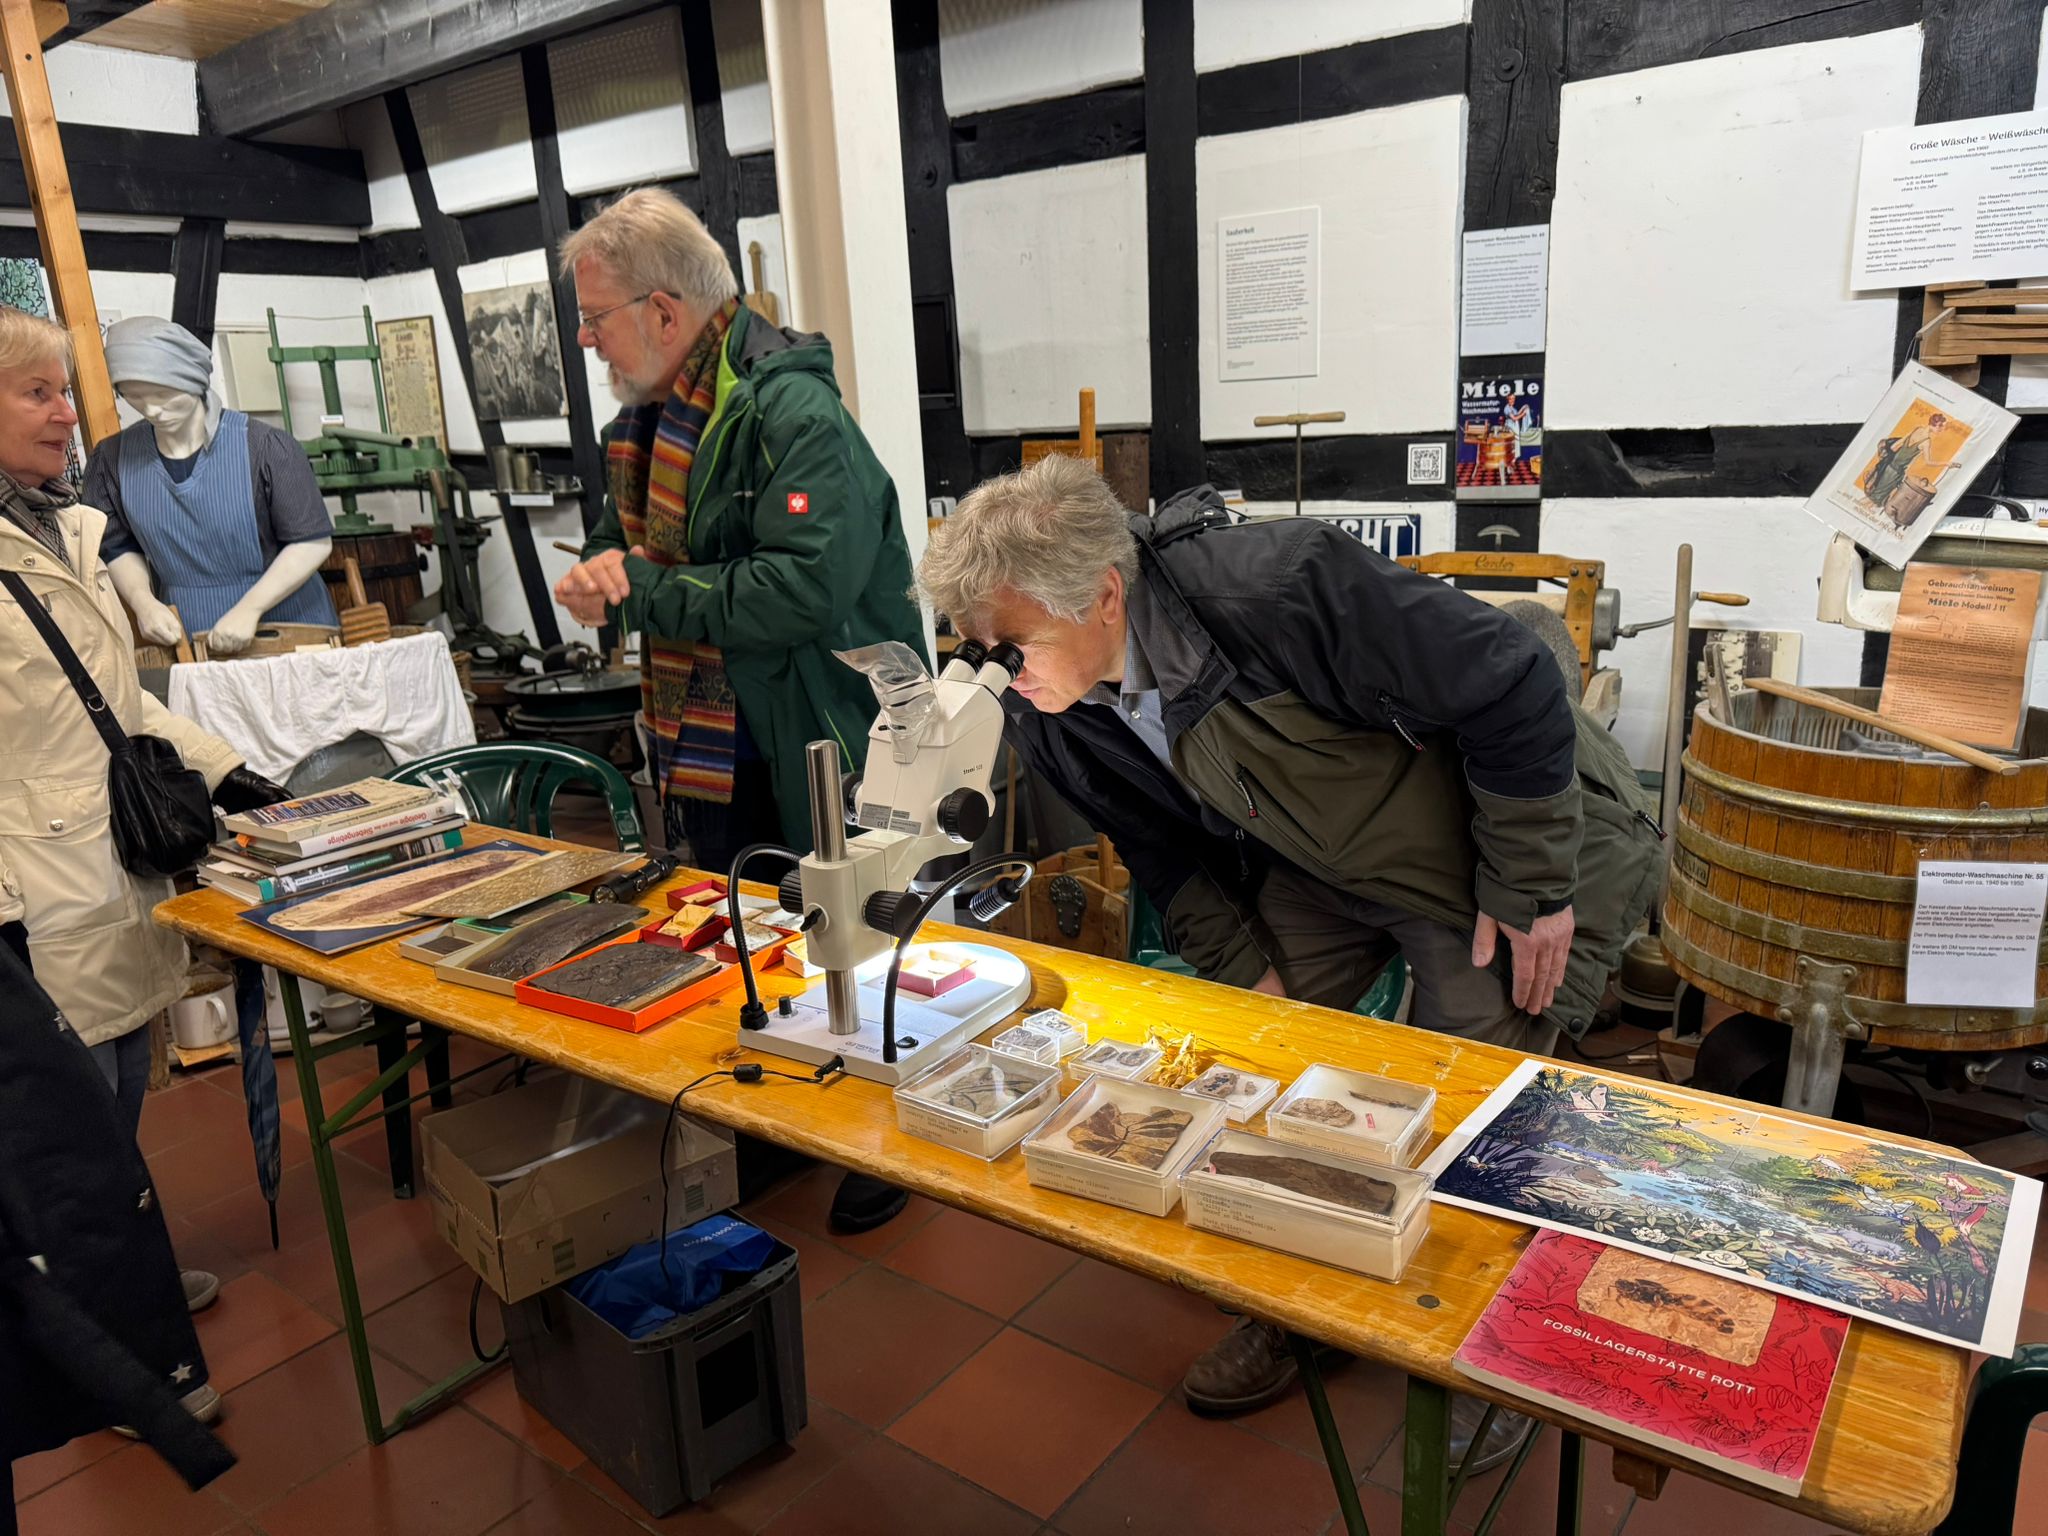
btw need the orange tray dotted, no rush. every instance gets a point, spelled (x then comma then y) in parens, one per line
(723, 979)
(704, 889)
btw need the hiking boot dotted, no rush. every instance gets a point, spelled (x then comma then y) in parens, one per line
(201, 1289)
(861, 1203)
(1247, 1368)
(203, 1403)
(1503, 1437)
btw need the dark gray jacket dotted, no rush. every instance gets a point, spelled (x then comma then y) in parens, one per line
(1378, 729)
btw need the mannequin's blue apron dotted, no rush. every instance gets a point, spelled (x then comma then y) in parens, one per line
(200, 536)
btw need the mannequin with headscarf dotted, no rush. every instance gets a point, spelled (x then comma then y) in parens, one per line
(209, 511)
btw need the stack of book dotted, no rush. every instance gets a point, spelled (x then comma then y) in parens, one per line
(297, 847)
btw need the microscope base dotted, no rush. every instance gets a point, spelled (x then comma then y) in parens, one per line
(1000, 986)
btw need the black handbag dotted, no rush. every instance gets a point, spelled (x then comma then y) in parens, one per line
(161, 814)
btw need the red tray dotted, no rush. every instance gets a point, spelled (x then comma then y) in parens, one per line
(721, 980)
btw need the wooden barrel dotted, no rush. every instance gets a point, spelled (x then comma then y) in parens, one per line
(1800, 833)
(390, 563)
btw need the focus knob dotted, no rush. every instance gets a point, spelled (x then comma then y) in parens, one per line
(790, 893)
(892, 912)
(849, 795)
(963, 815)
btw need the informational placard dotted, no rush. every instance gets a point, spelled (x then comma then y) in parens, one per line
(1952, 202)
(412, 378)
(1960, 652)
(1269, 277)
(1976, 935)
(1507, 275)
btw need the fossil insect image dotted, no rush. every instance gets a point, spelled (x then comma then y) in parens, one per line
(1899, 1234)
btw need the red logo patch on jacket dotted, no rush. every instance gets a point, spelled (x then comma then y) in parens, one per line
(799, 503)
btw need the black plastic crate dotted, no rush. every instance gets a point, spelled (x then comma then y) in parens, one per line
(665, 1417)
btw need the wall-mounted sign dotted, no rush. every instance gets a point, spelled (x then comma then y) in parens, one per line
(1952, 202)
(412, 378)
(1269, 295)
(1500, 438)
(1507, 274)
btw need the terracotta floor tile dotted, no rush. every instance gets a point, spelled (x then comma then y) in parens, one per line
(452, 1475)
(820, 1265)
(1531, 1505)
(299, 1419)
(256, 1324)
(212, 1167)
(396, 1251)
(806, 1202)
(177, 1114)
(980, 1262)
(496, 1398)
(566, 1508)
(1028, 1422)
(428, 1331)
(1691, 1506)
(131, 1491)
(241, 1220)
(197, 1247)
(32, 1474)
(750, 1496)
(887, 1491)
(1370, 1402)
(878, 1343)
(1124, 1321)
(1185, 1476)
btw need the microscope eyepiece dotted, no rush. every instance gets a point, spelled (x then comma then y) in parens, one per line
(973, 652)
(1008, 657)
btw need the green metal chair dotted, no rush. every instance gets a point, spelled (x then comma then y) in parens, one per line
(513, 784)
(509, 784)
(2005, 1399)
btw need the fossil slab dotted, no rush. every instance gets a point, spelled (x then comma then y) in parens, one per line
(1303, 1176)
(1321, 1112)
(554, 938)
(984, 1091)
(1141, 1140)
(382, 902)
(1109, 1054)
(627, 976)
(504, 890)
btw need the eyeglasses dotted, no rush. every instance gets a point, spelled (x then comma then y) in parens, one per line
(590, 322)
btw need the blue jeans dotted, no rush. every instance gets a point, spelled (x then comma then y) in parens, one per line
(124, 1063)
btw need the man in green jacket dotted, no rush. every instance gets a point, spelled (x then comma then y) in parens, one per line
(749, 533)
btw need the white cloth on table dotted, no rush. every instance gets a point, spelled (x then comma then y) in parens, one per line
(278, 710)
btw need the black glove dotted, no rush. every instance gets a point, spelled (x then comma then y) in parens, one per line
(243, 790)
(15, 936)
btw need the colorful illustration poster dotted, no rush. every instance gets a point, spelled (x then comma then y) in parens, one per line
(1910, 463)
(1500, 438)
(349, 916)
(1902, 1235)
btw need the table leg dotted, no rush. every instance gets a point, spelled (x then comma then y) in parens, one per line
(397, 1106)
(1329, 1434)
(1425, 1460)
(1571, 1483)
(308, 1069)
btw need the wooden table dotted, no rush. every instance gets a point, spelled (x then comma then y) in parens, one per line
(1886, 1458)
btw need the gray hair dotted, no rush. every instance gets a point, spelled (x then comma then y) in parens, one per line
(1050, 533)
(653, 243)
(27, 339)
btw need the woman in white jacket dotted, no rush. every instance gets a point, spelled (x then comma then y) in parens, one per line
(66, 903)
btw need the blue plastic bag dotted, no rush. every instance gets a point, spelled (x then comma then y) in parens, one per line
(633, 1294)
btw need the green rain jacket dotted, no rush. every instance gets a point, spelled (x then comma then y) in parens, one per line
(796, 551)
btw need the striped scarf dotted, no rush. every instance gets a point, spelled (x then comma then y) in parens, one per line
(683, 684)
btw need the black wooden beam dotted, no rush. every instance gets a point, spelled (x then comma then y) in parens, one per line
(1516, 74)
(1611, 37)
(757, 194)
(1352, 467)
(1692, 461)
(446, 252)
(356, 49)
(1072, 130)
(502, 231)
(1172, 245)
(717, 180)
(1334, 82)
(927, 172)
(184, 175)
(293, 258)
(195, 267)
(554, 221)
(105, 250)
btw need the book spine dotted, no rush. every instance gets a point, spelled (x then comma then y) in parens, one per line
(274, 887)
(396, 821)
(277, 821)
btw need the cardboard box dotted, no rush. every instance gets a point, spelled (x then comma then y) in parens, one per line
(557, 1216)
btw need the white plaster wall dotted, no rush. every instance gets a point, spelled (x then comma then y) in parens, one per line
(997, 53)
(1238, 31)
(742, 76)
(622, 104)
(1051, 295)
(114, 88)
(310, 311)
(368, 127)
(127, 294)
(1699, 255)
(1766, 547)
(1390, 184)
(473, 130)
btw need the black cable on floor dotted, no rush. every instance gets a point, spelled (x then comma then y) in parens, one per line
(476, 1346)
